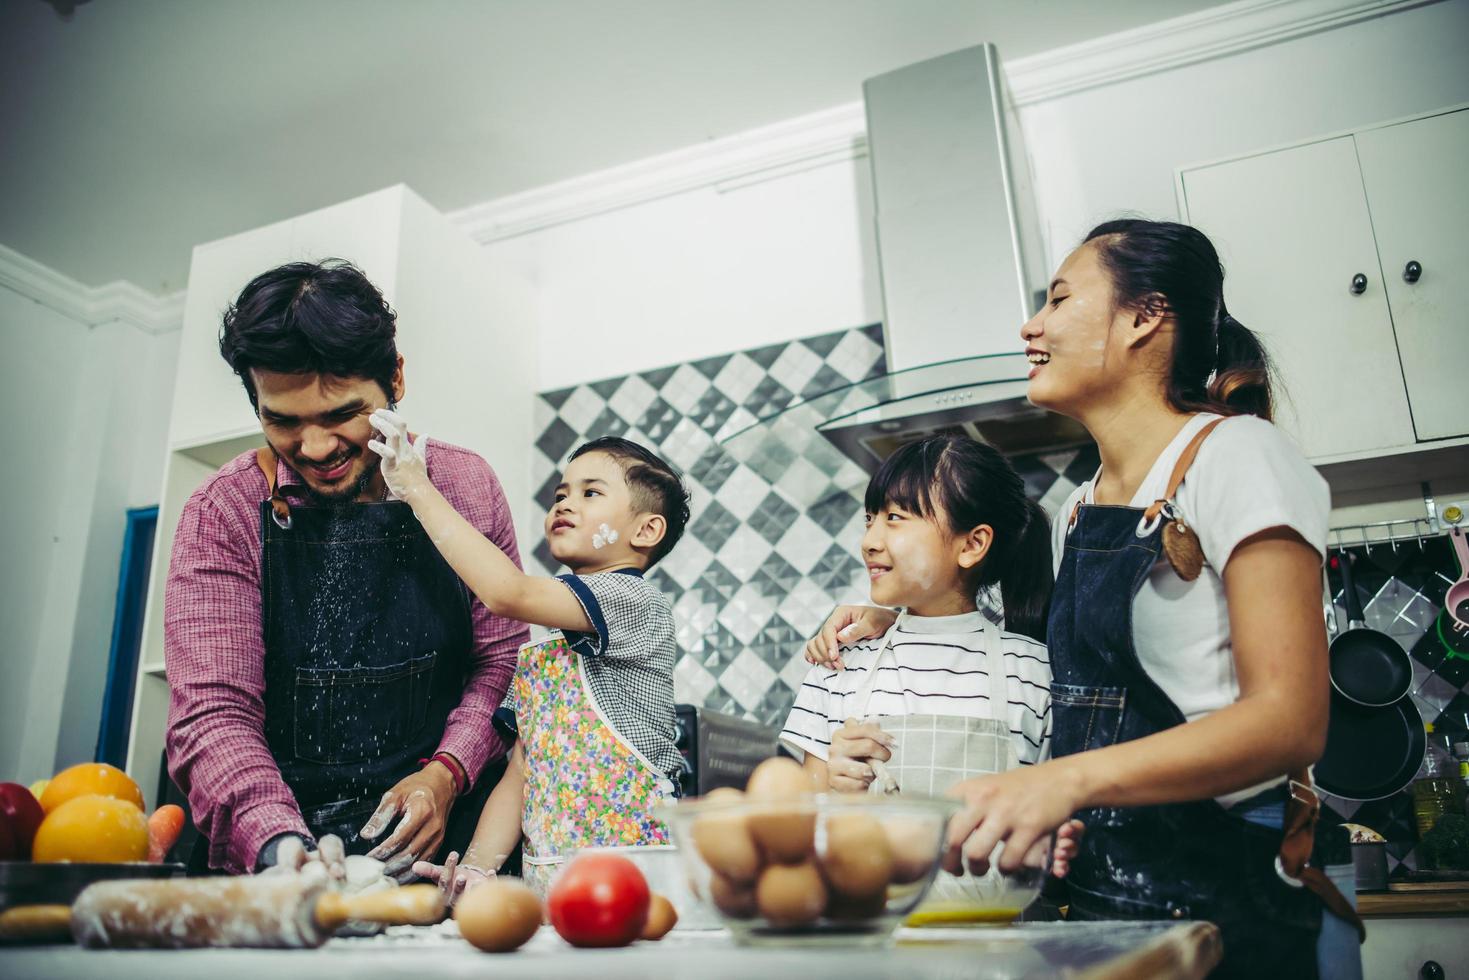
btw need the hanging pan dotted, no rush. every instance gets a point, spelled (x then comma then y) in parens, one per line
(1371, 753)
(1367, 667)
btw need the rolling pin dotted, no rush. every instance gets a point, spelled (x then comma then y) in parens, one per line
(276, 912)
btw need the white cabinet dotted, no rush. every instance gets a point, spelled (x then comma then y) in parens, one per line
(1315, 239)
(467, 338)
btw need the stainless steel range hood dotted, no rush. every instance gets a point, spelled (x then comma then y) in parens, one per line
(961, 267)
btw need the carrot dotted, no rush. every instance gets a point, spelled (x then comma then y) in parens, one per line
(164, 828)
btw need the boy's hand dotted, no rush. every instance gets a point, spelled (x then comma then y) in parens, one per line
(845, 626)
(404, 469)
(453, 878)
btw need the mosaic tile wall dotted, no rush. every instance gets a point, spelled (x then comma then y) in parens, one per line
(765, 557)
(1402, 592)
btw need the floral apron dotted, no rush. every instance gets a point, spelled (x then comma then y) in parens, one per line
(936, 751)
(585, 786)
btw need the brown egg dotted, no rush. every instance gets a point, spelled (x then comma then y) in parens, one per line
(723, 840)
(790, 894)
(661, 918)
(733, 899)
(858, 860)
(499, 915)
(784, 834)
(848, 909)
(914, 848)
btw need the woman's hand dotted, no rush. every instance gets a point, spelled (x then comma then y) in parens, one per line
(853, 746)
(405, 470)
(1019, 807)
(453, 878)
(845, 626)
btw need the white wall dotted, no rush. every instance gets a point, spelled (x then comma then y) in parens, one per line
(85, 415)
(705, 271)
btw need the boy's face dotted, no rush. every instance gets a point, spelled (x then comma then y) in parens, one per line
(592, 521)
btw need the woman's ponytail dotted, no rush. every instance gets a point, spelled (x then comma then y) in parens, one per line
(1241, 381)
(1026, 579)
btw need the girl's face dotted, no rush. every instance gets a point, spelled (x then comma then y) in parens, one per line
(1077, 343)
(913, 561)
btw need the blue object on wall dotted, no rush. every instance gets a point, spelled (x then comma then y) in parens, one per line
(127, 636)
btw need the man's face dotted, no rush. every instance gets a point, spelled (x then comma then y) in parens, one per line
(318, 424)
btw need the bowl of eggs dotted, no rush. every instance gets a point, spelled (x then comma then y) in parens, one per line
(782, 864)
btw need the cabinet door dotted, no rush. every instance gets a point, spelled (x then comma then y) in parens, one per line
(1292, 229)
(1416, 190)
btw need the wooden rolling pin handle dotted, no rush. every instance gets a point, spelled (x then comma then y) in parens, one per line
(413, 905)
(36, 924)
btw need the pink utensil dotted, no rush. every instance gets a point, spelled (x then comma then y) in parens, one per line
(1457, 599)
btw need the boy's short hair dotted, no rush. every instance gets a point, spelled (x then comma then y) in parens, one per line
(656, 487)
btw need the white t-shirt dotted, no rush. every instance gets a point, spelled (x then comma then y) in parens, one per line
(1247, 477)
(942, 669)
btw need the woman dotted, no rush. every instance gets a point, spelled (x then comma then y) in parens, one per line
(1185, 630)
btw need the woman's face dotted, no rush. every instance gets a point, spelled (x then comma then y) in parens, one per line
(1077, 343)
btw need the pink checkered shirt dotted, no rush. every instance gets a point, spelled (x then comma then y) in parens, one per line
(215, 655)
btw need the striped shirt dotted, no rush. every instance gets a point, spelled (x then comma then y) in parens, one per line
(941, 669)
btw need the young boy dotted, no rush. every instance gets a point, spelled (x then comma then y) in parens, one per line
(593, 703)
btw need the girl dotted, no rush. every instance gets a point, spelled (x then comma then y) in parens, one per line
(946, 518)
(1185, 632)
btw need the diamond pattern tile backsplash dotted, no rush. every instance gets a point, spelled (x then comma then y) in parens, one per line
(1402, 591)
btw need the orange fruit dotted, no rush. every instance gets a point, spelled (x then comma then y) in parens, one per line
(90, 778)
(92, 828)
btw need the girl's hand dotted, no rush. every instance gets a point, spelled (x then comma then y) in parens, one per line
(1018, 807)
(845, 626)
(852, 747)
(1068, 843)
(404, 469)
(453, 878)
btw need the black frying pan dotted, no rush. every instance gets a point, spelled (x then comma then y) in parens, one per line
(1367, 667)
(1371, 753)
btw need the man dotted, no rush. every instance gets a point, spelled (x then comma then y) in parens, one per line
(329, 672)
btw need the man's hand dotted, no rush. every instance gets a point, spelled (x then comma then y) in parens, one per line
(289, 854)
(845, 626)
(404, 469)
(853, 747)
(424, 800)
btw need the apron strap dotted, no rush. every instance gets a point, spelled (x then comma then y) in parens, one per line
(1175, 479)
(1298, 838)
(864, 693)
(994, 648)
(265, 459)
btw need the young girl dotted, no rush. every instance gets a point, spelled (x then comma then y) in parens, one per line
(943, 694)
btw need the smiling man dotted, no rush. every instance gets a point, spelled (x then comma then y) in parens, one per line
(330, 674)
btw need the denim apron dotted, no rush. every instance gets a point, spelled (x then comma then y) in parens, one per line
(368, 644)
(1191, 860)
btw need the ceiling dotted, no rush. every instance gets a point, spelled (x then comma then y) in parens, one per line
(136, 129)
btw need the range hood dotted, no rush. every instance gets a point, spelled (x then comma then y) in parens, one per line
(961, 269)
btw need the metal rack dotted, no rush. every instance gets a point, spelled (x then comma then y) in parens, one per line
(1406, 530)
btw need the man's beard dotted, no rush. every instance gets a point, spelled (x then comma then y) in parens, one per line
(345, 496)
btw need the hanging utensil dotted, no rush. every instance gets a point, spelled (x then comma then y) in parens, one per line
(1367, 667)
(1371, 753)
(1456, 602)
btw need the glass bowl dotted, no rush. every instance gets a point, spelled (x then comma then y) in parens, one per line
(825, 870)
(994, 898)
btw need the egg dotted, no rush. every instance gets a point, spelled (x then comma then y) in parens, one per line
(661, 918)
(498, 915)
(723, 840)
(857, 860)
(732, 898)
(784, 834)
(914, 848)
(790, 894)
(852, 909)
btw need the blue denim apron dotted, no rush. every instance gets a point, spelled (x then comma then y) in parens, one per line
(1191, 860)
(368, 643)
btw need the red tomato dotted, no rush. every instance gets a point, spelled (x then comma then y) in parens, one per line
(599, 900)
(20, 815)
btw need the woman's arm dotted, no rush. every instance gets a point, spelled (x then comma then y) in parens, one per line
(1278, 724)
(490, 574)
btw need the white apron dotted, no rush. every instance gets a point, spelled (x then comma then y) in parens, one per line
(933, 753)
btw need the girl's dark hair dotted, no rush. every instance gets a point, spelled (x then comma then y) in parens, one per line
(973, 485)
(311, 318)
(1218, 364)
(655, 486)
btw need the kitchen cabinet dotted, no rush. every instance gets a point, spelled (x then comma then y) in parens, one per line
(465, 329)
(1317, 241)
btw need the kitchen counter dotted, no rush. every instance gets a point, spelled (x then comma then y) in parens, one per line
(1095, 950)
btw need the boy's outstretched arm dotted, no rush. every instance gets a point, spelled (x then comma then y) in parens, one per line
(495, 836)
(504, 589)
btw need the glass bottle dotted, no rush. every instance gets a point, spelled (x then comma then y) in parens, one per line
(1438, 788)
